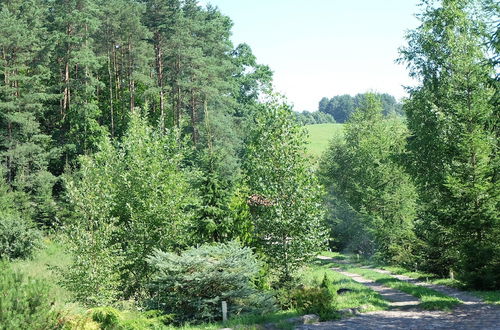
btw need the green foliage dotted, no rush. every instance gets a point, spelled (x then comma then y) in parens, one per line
(372, 194)
(192, 285)
(25, 150)
(107, 317)
(214, 223)
(110, 318)
(18, 235)
(317, 299)
(126, 201)
(286, 198)
(314, 300)
(313, 118)
(453, 152)
(93, 277)
(222, 214)
(341, 107)
(26, 303)
(359, 296)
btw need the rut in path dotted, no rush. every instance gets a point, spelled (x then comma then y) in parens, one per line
(473, 314)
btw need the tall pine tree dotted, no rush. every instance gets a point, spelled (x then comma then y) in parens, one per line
(454, 143)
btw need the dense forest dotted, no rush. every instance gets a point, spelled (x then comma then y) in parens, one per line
(137, 136)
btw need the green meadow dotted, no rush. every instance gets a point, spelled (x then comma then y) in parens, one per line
(320, 136)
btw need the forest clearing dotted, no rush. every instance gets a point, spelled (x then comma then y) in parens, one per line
(155, 175)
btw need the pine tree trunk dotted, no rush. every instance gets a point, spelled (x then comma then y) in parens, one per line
(159, 73)
(111, 95)
(130, 77)
(66, 92)
(193, 117)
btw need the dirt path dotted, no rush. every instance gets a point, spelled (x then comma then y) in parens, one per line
(397, 299)
(463, 296)
(473, 314)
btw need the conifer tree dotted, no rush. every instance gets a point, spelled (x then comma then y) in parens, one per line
(24, 150)
(73, 25)
(123, 41)
(454, 143)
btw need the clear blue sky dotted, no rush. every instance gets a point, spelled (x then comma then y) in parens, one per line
(322, 48)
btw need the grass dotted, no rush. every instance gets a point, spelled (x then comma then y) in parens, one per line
(52, 253)
(360, 296)
(430, 299)
(490, 297)
(248, 322)
(421, 276)
(336, 255)
(320, 136)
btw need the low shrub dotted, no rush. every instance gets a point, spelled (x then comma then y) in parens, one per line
(18, 236)
(107, 317)
(193, 285)
(25, 303)
(319, 300)
(314, 300)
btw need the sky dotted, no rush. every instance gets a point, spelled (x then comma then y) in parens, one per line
(323, 48)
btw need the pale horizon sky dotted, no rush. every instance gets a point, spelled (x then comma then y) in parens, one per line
(319, 48)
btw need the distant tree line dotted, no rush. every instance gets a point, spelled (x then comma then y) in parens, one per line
(341, 107)
(312, 118)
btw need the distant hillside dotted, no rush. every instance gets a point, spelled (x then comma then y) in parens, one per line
(319, 137)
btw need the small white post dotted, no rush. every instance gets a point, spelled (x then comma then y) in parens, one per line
(224, 311)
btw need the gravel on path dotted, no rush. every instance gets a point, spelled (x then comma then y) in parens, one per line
(473, 314)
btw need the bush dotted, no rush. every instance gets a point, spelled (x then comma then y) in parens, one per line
(319, 300)
(107, 317)
(25, 303)
(18, 236)
(314, 300)
(192, 285)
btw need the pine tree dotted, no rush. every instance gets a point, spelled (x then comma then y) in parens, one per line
(73, 25)
(454, 144)
(24, 150)
(214, 223)
(123, 41)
